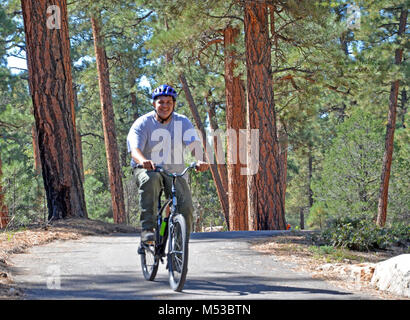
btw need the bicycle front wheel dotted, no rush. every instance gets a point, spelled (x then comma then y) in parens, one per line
(177, 253)
(149, 261)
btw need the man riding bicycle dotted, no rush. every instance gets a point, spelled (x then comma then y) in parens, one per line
(161, 137)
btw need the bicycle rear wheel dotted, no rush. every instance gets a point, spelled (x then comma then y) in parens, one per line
(149, 261)
(177, 253)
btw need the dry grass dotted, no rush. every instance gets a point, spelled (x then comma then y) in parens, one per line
(327, 263)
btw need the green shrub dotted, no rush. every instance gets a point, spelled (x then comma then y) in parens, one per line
(322, 250)
(363, 235)
(317, 215)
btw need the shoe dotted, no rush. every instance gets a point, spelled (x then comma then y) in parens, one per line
(147, 235)
(140, 250)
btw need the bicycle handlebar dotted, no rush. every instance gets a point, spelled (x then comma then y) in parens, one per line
(161, 169)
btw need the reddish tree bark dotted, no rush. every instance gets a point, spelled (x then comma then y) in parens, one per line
(265, 194)
(111, 147)
(49, 66)
(220, 164)
(236, 120)
(389, 138)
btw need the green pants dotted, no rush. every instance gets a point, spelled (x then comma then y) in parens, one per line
(150, 185)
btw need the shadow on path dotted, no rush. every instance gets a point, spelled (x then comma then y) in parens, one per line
(237, 286)
(129, 287)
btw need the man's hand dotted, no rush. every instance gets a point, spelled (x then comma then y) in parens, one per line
(201, 166)
(148, 164)
(139, 158)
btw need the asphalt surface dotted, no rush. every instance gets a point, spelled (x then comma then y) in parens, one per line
(221, 266)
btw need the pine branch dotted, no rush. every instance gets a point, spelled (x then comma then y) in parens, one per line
(288, 23)
(91, 134)
(6, 137)
(292, 69)
(9, 125)
(225, 17)
(327, 86)
(142, 18)
(123, 28)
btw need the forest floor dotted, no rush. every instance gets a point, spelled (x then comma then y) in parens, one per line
(344, 268)
(301, 248)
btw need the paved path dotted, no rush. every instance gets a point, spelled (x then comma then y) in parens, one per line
(221, 266)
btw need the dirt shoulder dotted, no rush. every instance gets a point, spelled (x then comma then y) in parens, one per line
(17, 241)
(347, 269)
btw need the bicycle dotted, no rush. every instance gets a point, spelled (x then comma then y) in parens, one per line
(171, 227)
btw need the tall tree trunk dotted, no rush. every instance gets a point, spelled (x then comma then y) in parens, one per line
(235, 120)
(218, 150)
(4, 213)
(389, 138)
(223, 199)
(310, 175)
(110, 139)
(49, 66)
(281, 126)
(301, 218)
(265, 196)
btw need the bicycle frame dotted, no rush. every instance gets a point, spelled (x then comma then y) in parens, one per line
(161, 240)
(171, 233)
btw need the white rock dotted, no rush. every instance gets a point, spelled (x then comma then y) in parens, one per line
(393, 275)
(211, 229)
(362, 272)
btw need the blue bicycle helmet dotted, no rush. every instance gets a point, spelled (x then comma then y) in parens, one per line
(164, 90)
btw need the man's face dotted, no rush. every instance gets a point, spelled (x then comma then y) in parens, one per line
(164, 106)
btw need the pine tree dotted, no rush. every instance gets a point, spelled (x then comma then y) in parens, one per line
(380, 57)
(124, 28)
(48, 55)
(265, 200)
(391, 125)
(110, 138)
(236, 120)
(348, 182)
